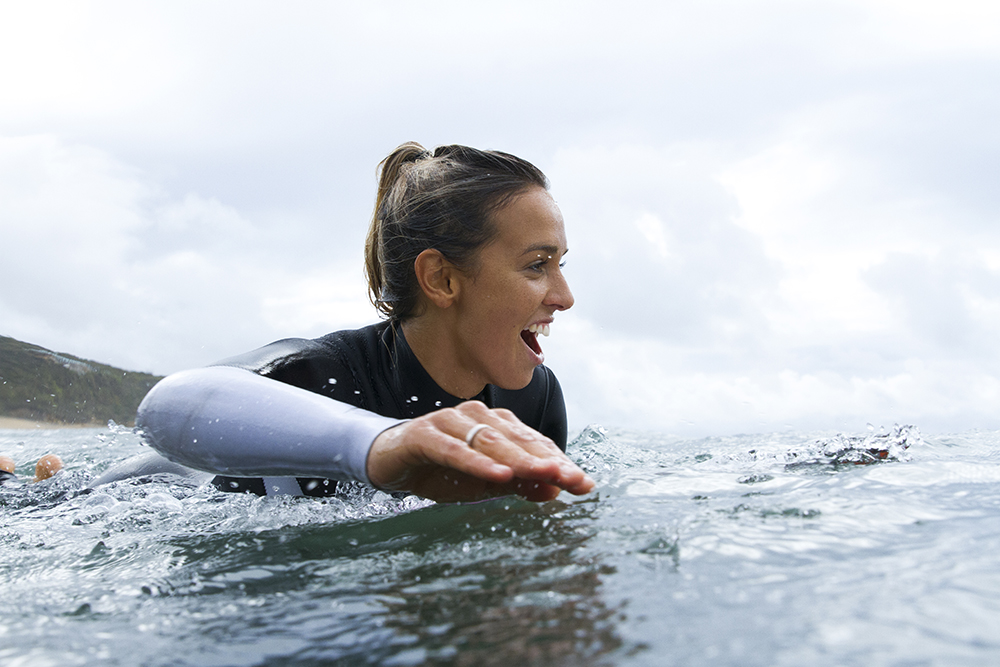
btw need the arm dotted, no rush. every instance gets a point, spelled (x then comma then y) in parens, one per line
(233, 422)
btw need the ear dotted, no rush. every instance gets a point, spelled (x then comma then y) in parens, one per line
(437, 277)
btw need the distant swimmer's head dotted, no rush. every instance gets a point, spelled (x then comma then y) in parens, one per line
(443, 200)
(47, 466)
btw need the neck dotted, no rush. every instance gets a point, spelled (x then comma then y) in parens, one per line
(432, 342)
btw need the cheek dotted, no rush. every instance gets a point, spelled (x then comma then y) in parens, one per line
(504, 307)
(504, 303)
(513, 311)
(499, 329)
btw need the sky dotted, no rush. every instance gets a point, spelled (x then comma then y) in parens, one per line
(781, 214)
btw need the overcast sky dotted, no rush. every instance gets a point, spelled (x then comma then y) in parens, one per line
(780, 213)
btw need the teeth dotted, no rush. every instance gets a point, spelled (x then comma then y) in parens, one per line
(539, 329)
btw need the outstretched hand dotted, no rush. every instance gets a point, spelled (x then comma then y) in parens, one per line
(428, 456)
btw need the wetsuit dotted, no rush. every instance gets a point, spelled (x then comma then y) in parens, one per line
(371, 369)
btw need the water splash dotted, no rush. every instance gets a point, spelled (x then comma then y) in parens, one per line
(877, 446)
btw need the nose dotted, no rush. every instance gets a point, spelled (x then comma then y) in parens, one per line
(560, 296)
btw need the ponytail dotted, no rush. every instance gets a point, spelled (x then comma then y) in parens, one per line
(388, 172)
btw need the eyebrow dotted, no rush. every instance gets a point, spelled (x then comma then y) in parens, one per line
(551, 249)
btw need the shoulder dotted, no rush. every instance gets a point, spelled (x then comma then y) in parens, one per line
(265, 360)
(310, 363)
(363, 340)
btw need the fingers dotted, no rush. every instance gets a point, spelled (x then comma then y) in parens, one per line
(504, 440)
(431, 453)
(470, 437)
(403, 456)
(506, 433)
(530, 454)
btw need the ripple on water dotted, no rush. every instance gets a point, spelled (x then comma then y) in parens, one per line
(766, 549)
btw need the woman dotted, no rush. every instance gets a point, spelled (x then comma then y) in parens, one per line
(447, 398)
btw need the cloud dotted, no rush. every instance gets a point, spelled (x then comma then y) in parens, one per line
(948, 305)
(661, 255)
(103, 263)
(819, 280)
(779, 213)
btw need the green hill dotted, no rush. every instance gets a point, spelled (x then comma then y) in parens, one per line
(42, 385)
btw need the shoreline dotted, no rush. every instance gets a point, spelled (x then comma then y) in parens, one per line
(16, 423)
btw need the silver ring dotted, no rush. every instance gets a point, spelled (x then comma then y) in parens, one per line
(473, 432)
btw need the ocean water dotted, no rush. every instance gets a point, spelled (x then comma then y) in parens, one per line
(880, 547)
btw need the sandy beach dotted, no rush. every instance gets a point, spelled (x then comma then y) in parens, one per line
(13, 422)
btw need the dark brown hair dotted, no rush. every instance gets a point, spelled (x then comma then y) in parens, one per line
(442, 200)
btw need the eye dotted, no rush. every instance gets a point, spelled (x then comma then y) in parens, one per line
(542, 263)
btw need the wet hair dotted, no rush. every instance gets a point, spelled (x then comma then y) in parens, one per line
(442, 200)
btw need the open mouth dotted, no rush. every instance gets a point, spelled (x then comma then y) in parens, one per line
(530, 336)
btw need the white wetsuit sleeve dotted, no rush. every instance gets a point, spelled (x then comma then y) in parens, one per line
(234, 422)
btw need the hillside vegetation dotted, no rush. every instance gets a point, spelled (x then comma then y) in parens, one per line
(42, 385)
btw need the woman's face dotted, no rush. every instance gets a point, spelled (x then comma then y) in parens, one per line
(511, 296)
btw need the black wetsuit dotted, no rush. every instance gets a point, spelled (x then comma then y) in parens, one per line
(374, 369)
